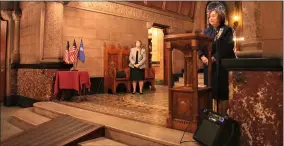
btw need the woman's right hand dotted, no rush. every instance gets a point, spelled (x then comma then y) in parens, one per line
(204, 60)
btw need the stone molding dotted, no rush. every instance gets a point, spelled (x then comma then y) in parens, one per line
(6, 15)
(27, 4)
(162, 12)
(113, 8)
(16, 15)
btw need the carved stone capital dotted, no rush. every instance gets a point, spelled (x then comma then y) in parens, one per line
(25, 4)
(17, 15)
(6, 15)
(61, 2)
(123, 10)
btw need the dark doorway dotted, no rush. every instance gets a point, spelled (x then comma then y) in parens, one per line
(3, 59)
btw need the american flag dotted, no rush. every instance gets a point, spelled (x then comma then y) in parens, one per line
(73, 53)
(66, 56)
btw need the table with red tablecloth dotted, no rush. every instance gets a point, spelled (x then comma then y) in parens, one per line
(72, 80)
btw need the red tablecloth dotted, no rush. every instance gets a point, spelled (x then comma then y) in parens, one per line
(71, 80)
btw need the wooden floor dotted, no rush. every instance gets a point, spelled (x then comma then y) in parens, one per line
(63, 130)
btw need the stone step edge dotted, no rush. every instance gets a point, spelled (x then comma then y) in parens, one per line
(97, 140)
(52, 114)
(22, 123)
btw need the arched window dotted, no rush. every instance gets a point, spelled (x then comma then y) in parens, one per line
(215, 5)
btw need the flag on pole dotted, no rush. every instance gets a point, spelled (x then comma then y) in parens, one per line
(66, 56)
(81, 55)
(73, 52)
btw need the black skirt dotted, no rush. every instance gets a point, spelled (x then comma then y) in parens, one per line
(137, 74)
(220, 82)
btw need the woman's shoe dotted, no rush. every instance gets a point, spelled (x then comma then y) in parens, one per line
(133, 92)
(141, 92)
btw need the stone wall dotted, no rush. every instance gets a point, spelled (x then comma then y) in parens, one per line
(30, 33)
(95, 29)
(43, 36)
(262, 28)
(271, 28)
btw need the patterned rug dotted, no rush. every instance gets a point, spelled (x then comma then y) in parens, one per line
(150, 107)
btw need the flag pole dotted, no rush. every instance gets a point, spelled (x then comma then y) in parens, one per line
(76, 60)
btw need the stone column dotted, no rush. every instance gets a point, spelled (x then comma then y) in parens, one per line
(7, 15)
(15, 56)
(53, 41)
(251, 27)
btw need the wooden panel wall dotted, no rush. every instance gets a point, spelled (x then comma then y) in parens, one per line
(184, 8)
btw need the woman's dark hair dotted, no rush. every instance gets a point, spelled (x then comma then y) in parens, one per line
(221, 16)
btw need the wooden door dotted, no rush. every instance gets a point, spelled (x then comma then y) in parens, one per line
(3, 59)
(166, 66)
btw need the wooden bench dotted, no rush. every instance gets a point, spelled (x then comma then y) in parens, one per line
(113, 63)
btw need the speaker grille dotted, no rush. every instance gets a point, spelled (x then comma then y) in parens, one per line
(207, 132)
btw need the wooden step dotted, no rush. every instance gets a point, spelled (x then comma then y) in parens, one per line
(101, 141)
(26, 119)
(57, 132)
(123, 130)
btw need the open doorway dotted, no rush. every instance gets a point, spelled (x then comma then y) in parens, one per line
(157, 54)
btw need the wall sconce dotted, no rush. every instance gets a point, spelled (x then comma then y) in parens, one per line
(236, 18)
(236, 21)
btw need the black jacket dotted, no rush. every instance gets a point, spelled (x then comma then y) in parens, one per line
(223, 46)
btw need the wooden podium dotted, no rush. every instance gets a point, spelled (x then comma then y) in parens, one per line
(185, 102)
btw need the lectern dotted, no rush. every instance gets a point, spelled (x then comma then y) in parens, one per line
(186, 101)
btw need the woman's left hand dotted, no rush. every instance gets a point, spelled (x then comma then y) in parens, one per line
(213, 59)
(136, 65)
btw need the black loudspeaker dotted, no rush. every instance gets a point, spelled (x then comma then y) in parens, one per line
(217, 130)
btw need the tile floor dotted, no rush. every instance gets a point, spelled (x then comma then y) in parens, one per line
(150, 107)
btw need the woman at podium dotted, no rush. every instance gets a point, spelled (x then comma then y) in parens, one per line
(223, 45)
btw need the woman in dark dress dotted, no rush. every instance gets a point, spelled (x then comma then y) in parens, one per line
(137, 59)
(223, 45)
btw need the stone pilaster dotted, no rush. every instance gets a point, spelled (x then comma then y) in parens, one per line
(15, 56)
(251, 26)
(7, 15)
(53, 23)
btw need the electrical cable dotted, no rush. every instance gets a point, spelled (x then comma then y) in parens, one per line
(184, 134)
